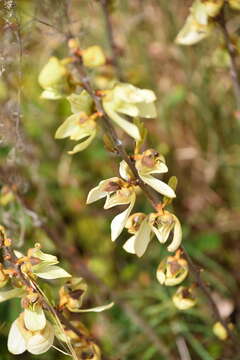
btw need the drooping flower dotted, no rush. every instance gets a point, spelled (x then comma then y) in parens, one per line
(184, 298)
(44, 265)
(21, 339)
(148, 163)
(71, 296)
(172, 270)
(81, 125)
(52, 79)
(199, 23)
(138, 225)
(162, 225)
(220, 331)
(93, 56)
(144, 226)
(117, 192)
(129, 100)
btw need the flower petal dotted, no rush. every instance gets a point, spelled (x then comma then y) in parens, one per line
(177, 236)
(142, 238)
(10, 294)
(131, 129)
(96, 309)
(119, 222)
(51, 73)
(41, 341)
(34, 319)
(16, 342)
(50, 272)
(147, 110)
(192, 32)
(83, 145)
(158, 185)
(81, 102)
(97, 193)
(129, 245)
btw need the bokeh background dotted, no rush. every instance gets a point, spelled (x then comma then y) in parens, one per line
(43, 189)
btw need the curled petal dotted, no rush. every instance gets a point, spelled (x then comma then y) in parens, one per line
(34, 319)
(177, 236)
(128, 127)
(41, 341)
(193, 32)
(142, 238)
(121, 197)
(158, 185)
(83, 145)
(96, 309)
(16, 342)
(119, 222)
(100, 191)
(129, 245)
(50, 272)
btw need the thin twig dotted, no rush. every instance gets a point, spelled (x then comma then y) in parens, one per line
(72, 254)
(111, 39)
(152, 197)
(204, 288)
(232, 55)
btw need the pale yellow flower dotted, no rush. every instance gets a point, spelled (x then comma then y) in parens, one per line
(172, 270)
(162, 225)
(52, 79)
(21, 339)
(129, 100)
(144, 226)
(117, 192)
(45, 267)
(148, 163)
(184, 299)
(80, 125)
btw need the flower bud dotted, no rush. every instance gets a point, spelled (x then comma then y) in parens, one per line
(183, 299)
(172, 270)
(220, 331)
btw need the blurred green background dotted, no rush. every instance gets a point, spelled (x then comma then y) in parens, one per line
(43, 189)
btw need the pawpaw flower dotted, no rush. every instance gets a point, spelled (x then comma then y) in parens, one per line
(184, 299)
(23, 338)
(172, 270)
(117, 192)
(80, 125)
(148, 163)
(43, 265)
(52, 79)
(199, 23)
(144, 226)
(162, 225)
(71, 296)
(131, 101)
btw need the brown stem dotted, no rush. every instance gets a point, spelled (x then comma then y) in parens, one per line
(111, 40)
(153, 198)
(73, 256)
(204, 288)
(232, 55)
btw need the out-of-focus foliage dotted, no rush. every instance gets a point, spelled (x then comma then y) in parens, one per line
(197, 130)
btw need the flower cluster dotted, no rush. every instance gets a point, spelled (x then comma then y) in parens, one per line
(37, 325)
(202, 20)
